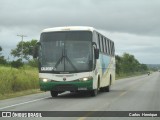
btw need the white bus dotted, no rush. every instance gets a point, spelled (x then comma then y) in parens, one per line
(75, 58)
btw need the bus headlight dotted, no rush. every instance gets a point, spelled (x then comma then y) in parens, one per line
(44, 80)
(86, 78)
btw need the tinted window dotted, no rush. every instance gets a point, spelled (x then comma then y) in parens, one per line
(69, 51)
(99, 42)
(102, 43)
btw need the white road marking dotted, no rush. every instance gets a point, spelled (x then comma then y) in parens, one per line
(23, 103)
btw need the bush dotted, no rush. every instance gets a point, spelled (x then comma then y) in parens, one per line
(33, 63)
(13, 80)
(17, 64)
(2, 60)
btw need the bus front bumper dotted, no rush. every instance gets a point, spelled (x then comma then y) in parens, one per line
(66, 85)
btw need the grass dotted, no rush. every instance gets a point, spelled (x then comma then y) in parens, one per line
(14, 80)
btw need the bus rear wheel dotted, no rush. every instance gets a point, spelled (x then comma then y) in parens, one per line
(54, 93)
(107, 88)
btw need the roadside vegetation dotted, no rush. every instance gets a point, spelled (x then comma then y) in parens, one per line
(15, 80)
(19, 77)
(127, 66)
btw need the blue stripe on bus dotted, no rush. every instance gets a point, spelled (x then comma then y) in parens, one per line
(104, 62)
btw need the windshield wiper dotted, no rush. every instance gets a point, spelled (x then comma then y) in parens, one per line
(64, 55)
(60, 59)
(70, 61)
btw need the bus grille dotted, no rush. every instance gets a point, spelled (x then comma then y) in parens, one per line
(65, 88)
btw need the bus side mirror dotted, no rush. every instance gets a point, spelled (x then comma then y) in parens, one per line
(96, 50)
(35, 50)
(96, 53)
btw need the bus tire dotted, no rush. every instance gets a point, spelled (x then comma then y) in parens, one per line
(54, 93)
(102, 89)
(94, 92)
(107, 88)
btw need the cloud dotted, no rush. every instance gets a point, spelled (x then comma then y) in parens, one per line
(140, 17)
(133, 24)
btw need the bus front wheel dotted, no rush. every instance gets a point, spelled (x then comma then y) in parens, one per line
(54, 93)
(94, 92)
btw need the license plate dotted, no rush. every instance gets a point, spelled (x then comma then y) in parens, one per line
(82, 88)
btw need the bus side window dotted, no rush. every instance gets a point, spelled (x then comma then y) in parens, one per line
(112, 48)
(104, 44)
(103, 40)
(110, 44)
(99, 42)
(108, 47)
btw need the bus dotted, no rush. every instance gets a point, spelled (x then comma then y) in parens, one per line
(75, 58)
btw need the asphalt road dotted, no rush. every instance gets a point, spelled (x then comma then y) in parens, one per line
(141, 93)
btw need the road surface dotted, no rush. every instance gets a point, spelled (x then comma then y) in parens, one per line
(141, 93)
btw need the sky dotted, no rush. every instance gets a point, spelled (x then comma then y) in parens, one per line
(134, 25)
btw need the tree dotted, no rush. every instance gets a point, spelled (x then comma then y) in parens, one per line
(17, 64)
(0, 50)
(118, 63)
(128, 64)
(2, 59)
(144, 67)
(27, 50)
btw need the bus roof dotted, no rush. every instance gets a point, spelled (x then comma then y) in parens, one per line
(69, 28)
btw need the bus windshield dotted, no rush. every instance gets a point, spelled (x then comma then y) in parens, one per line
(66, 51)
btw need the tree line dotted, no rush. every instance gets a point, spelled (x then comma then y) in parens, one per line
(128, 64)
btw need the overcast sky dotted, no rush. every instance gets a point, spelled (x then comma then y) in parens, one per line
(134, 25)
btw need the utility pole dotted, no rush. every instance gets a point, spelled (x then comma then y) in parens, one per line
(22, 36)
